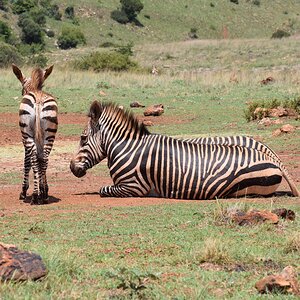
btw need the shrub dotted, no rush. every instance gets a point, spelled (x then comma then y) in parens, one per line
(279, 34)
(50, 33)
(193, 33)
(8, 55)
(21, 6)
(32, 33)
(39, 60)
(131, 8)
(70, 37)
(256, 2)
(234, 1)
(53, 12)
(119, 16)
(5, 32)
(3, 5)
(69, 12)
(99, 61)
(125, 50)
(38, 15)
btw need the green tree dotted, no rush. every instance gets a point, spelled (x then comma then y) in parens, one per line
(131, 8)
(32, 32)
(70, 37)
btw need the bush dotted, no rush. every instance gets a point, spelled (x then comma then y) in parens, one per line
(256, 2)
(53, 12)
(21, 6)
(50, 33)
(131, 8)
(279, 34)
(193, 33)
(38, 16)
(234, 1)
(125, 50)
(8, 55)
(69, 12)
(70, 38)
(119, 16)
(32, 33)
(39, 60)
(99, 61)
(3, 5)
(5, 32)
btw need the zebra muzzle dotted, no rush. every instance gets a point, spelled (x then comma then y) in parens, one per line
(77, 170)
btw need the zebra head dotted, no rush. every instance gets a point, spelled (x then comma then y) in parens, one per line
(91, 149)
(30, 84)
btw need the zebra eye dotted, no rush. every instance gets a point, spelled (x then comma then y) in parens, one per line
(83, 139)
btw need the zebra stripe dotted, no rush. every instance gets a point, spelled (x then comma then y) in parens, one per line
(38, 125)
(140, 162)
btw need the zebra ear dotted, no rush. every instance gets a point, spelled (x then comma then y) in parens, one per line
(18, 73)
(48, 71)
(95, 111)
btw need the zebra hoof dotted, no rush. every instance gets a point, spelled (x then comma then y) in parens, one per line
(22, 196)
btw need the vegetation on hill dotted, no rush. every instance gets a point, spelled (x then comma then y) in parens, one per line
(39, 26)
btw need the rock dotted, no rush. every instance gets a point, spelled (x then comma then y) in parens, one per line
(254, 217)
(154, 110)
(136, 104)
(278, 112)
(284, 282)
(18, 265)
(261, 112)
(101, 93)
(284, 213)
(276, 132)
(265, 121)
(287, 128)
(268, 80)
(148, 123)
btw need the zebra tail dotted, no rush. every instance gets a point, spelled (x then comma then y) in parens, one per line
(39, 137)
(290, 182)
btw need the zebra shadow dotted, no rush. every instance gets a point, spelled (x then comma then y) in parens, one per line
(50, 200)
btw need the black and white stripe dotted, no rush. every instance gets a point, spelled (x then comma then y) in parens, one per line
(38, 124)
(140, 162)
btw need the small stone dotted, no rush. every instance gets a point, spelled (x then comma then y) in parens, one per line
(102, 93)
(287, 128)
(284, 213)
(18, 265)
(284, 282)
(154, 110)
(148, 123)
(136, 104)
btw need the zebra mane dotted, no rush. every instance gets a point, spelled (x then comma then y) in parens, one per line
(127, 116)
(37, 79)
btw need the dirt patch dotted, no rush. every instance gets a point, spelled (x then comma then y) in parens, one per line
(70, 194)
(10, 132)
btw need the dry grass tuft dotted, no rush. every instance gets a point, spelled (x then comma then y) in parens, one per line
(293, 243)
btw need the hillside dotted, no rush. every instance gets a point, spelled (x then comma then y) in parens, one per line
(172, 20)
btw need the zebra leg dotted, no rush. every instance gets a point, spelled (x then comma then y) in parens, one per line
(26, 170)
(44, 184)
(121, 190)
(36, 195)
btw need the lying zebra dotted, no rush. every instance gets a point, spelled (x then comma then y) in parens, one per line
(38, 124)
(140, 161)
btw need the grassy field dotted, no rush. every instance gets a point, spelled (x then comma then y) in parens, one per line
(154, 252)
(160, 251)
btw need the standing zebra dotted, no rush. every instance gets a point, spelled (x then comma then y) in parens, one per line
(38, 124)
(140, 162)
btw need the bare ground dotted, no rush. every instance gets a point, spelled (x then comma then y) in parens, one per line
(68, 193)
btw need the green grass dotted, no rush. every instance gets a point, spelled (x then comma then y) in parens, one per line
(112, 251)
